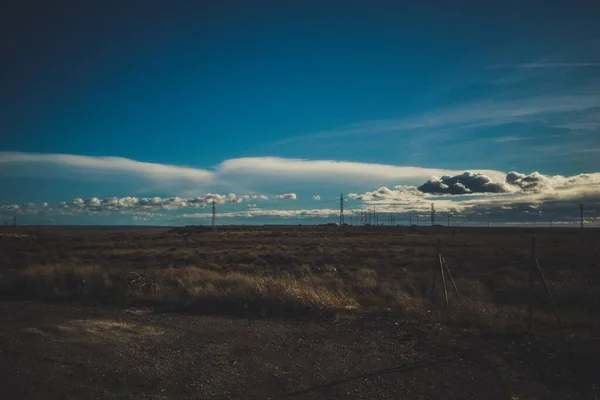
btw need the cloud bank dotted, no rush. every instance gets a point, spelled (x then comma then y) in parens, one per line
(475, 192)
(127, 204)
(328, 170)
(229, 175)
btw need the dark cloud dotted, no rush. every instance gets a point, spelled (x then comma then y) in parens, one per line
(465, 183)
(532, 182)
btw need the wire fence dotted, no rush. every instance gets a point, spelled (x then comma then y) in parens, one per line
(529, 293)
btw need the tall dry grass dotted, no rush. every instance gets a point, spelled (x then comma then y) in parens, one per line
(493, 302)
(209, 291)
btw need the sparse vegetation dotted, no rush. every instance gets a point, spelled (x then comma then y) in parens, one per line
(304, 271)
(209, 291)
(379, 333)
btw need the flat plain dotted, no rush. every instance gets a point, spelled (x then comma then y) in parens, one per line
(303, 312)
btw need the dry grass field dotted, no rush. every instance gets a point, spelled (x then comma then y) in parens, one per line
(307, 283)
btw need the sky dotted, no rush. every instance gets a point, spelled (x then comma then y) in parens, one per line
(144, 112)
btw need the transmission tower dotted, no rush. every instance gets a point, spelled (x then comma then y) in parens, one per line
(432, 215)
(341, 209)
(214, 214)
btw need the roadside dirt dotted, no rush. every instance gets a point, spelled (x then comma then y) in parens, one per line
(69, 351)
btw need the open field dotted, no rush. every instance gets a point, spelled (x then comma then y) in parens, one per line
(265, 312)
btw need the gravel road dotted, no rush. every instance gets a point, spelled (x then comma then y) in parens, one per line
(68, 351)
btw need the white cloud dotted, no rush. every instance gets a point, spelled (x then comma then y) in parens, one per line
(254, 213)
(231, 174)
(535, 194)
(558, 201)
(316, 197)
(286, 196)
(488, 191)
(400, 193)
(125, 204)
(97, 165)
(259, 197)
(328, 170)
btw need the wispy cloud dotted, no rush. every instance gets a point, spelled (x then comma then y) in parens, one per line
(549, 65)
(504, 139)
(476, 114)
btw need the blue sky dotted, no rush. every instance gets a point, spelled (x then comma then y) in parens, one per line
(211, 98)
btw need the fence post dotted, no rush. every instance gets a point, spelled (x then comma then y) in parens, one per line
(443, 279)
(549, 293)
(531, 269)
(434, 273)
(450, 275)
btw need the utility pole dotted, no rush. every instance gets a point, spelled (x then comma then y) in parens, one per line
(214, 215)
(581, 215)
(448, 220)
(341, 209)
(432, 214)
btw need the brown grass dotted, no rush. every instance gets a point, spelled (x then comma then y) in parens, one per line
(204, 290)
(309, 270)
